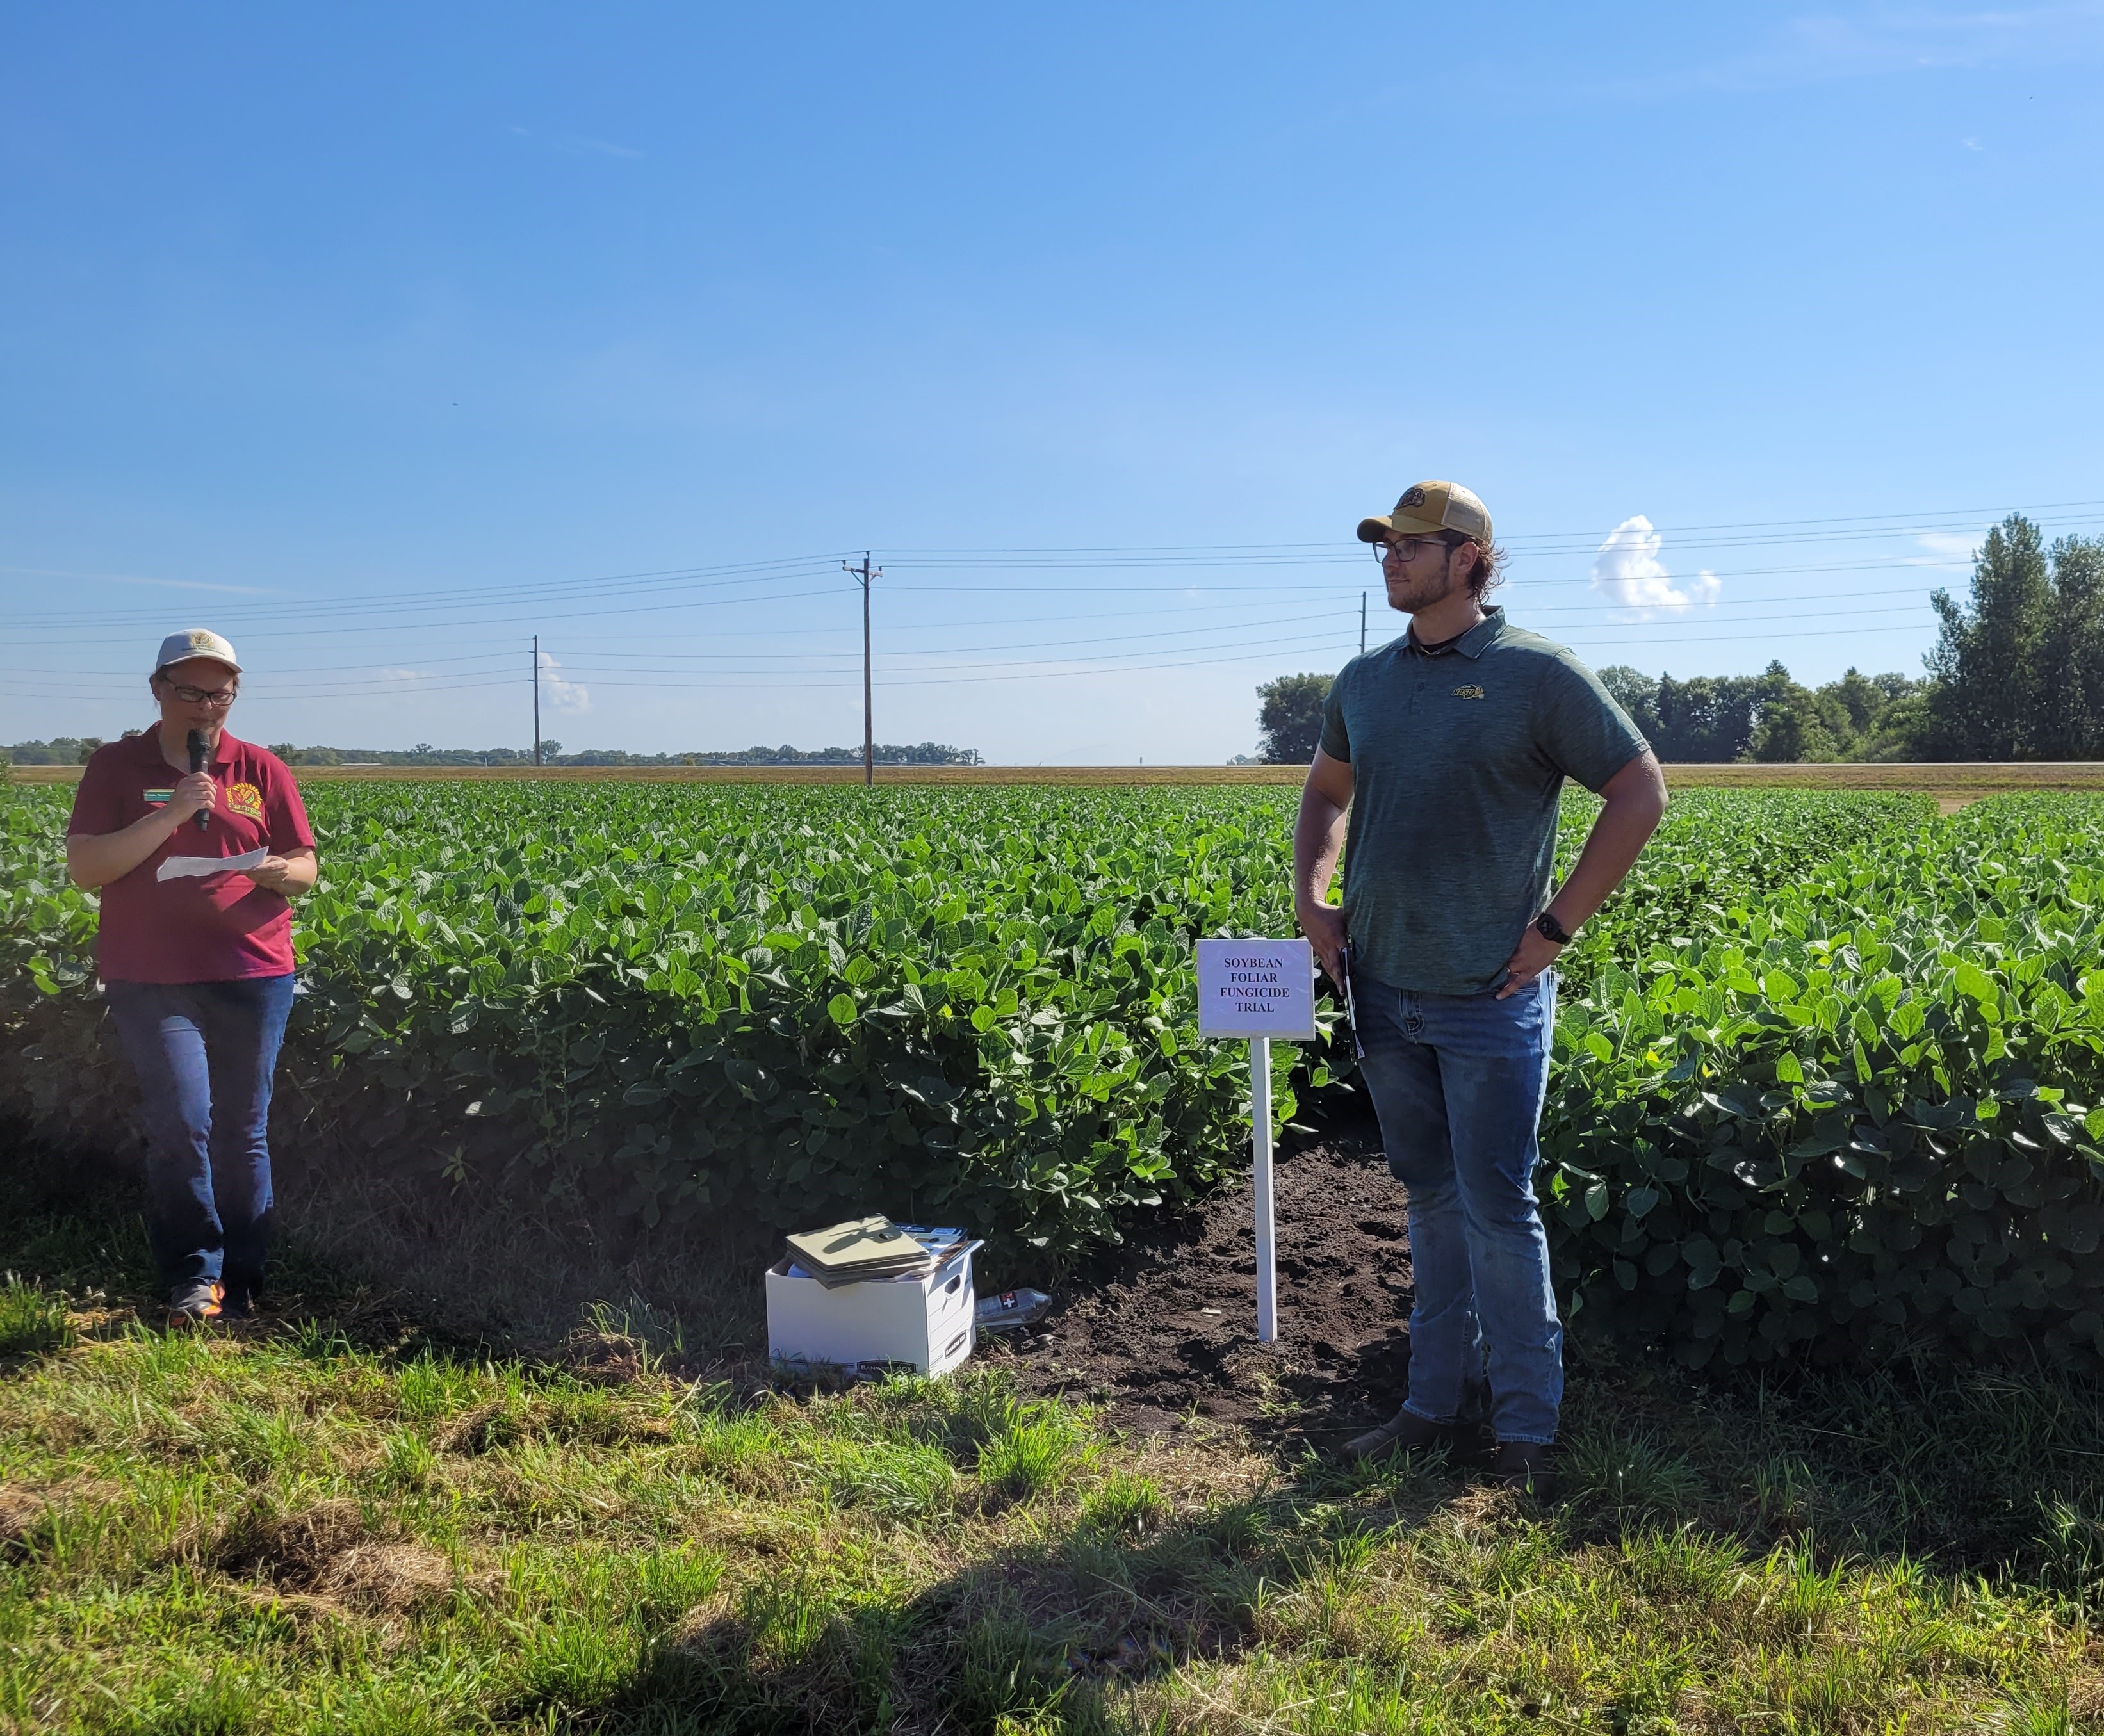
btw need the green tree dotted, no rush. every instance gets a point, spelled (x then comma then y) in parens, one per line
(1796, 723)
(1861, 697)
(1897, 730)
(1709, 718)
(2070, 718)
(1985, 662)
(1291, 718)
(1770, 716)
(1636, 693)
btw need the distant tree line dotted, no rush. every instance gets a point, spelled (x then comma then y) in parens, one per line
(60, 751)
(2017, 673)
(74, 750)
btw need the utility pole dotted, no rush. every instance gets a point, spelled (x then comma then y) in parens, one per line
(863, 575)
(1362, 623)
(536, 699)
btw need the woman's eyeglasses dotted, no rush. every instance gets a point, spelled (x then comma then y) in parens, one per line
(222, 697)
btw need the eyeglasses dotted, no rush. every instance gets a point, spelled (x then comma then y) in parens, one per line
(220, 697)
(1405, 548)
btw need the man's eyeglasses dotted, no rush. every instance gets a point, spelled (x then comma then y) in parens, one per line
(220, 698)
(1405, 548)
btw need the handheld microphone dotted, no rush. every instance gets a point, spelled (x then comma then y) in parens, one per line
(197, 764)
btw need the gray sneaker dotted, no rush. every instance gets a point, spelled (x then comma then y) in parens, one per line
(193, 1304)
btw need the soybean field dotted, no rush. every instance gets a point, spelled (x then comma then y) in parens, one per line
(1829, 1069)
(1826, 1090)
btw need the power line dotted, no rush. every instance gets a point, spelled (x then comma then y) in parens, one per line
(749, 573)
(1693, 627)
(1318, 569)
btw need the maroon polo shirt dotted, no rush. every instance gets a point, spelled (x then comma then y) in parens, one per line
(210, 929)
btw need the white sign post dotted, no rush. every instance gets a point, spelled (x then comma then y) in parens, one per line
(1257, 990)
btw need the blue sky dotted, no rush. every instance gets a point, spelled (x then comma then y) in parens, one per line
(383, 338)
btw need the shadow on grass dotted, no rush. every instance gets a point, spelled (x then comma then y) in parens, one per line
(1680, 1481)
(392, 1271)
(1657, 1557)
(1035, 1637)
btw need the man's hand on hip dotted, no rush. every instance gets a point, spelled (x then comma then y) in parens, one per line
(1534, 954)
(1324, 926)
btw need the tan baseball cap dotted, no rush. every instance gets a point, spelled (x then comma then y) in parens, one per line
(1426, 508)
(195, 642)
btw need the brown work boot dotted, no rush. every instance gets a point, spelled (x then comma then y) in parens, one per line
(1405, 1429)
(1527, 1465)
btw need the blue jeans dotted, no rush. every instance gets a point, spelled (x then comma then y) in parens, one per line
(204, 1053)
(1457, 1081)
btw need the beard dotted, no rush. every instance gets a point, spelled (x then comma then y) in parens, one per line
(1409, 597)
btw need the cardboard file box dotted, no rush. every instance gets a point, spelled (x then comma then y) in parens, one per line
(925, 1322)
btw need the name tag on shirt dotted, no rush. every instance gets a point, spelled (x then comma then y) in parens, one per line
(159, 798)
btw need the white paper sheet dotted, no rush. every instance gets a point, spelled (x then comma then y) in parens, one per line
(189, 867)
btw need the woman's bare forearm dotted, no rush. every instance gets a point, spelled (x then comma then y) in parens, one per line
(94, 861)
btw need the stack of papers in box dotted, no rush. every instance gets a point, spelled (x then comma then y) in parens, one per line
(865, 1249)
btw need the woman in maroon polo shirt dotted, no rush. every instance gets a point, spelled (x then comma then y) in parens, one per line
(197, 962)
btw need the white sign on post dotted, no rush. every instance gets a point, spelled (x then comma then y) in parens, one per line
(1256, 991)
(1253, 989)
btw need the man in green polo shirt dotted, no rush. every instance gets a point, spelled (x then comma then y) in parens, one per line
(1449, 747)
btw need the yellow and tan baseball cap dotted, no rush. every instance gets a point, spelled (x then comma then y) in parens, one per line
(1426, 508)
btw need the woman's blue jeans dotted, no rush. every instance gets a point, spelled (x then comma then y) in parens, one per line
(1457, 1081)
(204, 1053)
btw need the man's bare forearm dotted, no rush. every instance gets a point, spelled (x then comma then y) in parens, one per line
(1318, 836)
(1634, 801)
(1318, 839)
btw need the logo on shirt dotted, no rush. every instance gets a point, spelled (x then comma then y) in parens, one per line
(1470, 692)
(244, 799)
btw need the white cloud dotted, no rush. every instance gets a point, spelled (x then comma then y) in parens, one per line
(1889, 40)
(1627, 569)
(564, 696)
(1948, 548)
(408, 674)
(133, 578)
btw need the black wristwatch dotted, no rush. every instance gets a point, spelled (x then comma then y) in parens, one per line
(1550, 929)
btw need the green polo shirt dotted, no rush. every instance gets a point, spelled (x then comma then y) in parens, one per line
(1458, 755)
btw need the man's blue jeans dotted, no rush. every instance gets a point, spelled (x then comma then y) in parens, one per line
(204, 1053)
(1458, 1081)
